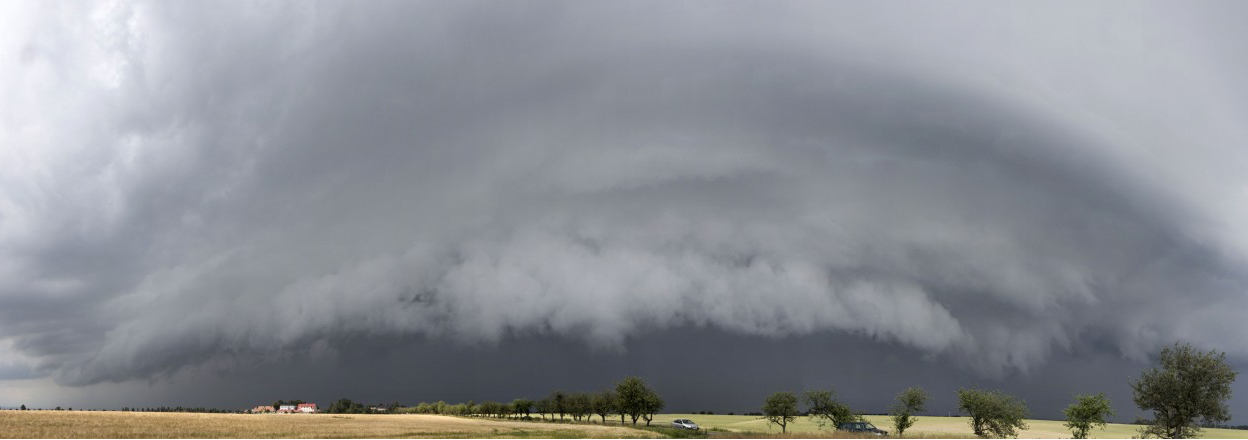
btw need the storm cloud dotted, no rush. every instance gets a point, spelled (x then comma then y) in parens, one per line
(185, 184)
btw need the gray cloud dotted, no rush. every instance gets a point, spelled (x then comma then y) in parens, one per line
(188, 185)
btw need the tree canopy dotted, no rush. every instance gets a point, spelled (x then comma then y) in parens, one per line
(825, 409)
(1088, 411)
(1189, 386)
(993, 413)
(636, 399)
(910, 401)
(780, 408)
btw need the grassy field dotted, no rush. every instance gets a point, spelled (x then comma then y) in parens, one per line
(111, 424)
(925, 427)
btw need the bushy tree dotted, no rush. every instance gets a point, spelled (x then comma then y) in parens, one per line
(544, 406)
(579, 406)
(346, 406)
(1189, 386)
(909, 402)
(780, 408)
(824, 409)
(522, 407)
(651, 405)
(993, 413)
(635, 399)
(559, 403)
(1088, 411)
(603, 403)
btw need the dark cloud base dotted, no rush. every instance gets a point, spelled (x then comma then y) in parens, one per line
(694, 369)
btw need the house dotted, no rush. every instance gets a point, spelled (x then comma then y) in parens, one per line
(286, 409)
(307, 408)
(262, 409)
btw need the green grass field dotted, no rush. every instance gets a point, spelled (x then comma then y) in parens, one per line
(933, 425)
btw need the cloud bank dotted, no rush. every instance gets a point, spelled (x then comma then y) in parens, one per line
(185, 184)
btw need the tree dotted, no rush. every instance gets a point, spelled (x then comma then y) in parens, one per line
(558, 403)
(636, 399)
(23, 407)
(581, 405)
(522, 407)
(910, 401)
(1190, 385)
(993, 412)
(780, 408)
(1087, 412)
(603, 403)
(824, 409)
(544, 406)
(346, 406)
(651, 405)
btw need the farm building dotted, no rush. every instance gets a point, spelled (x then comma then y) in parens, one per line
(286, 409)
(262, 409)
(307, 408)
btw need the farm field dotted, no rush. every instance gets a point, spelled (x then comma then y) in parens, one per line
(931, 425)
(116, 424)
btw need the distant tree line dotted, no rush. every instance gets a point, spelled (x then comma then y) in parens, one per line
(631, 399)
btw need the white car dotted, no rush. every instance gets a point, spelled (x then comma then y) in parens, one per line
(684, 424)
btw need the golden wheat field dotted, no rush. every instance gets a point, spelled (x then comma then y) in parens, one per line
(117, 424)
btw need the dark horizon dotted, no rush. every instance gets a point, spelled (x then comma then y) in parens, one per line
(685, 386)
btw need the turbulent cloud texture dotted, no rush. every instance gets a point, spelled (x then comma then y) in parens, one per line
(186, 184)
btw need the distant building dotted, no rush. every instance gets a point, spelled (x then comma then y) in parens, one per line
(262, 409)
(286, 409)
(307, 408)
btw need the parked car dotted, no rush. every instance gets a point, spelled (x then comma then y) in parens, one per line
(684, 424)
(861, 427)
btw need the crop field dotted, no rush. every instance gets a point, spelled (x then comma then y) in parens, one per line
(932, 426)
(116, 424)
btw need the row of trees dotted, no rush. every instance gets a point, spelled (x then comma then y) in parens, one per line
(1190, 388)
(631, 399)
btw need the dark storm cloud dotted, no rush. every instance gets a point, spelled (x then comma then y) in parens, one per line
(187, 186)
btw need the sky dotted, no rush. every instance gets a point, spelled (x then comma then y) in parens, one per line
(209, 204)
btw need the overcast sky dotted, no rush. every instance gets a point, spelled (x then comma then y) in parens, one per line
(228, 204)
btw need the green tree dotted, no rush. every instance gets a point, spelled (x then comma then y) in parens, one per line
(1190, 385)
(579, 406)
(522, 407)
(603, 403)
(346, 406)
(651, 405)
(993, 413)
(544, 406)
(636, 399)
(780, 408)
(824, 409)
(23, 407)
(558, 403)
(910, 401)
(1088, 411)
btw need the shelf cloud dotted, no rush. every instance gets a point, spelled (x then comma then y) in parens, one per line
(184, 184)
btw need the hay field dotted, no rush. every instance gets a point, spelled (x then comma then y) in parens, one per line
(927, 426)
(116, 424)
